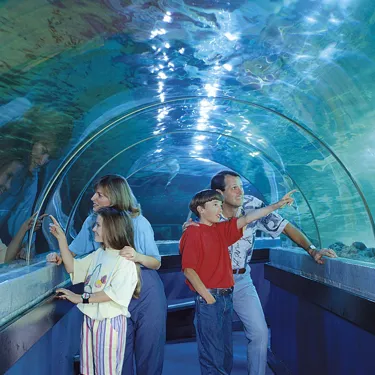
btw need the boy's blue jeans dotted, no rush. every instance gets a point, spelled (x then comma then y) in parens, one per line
(214, 334)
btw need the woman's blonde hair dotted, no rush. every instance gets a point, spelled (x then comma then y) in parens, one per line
(119, 193)
(118, 232)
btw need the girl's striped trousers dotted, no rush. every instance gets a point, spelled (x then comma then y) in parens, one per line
(103, 345)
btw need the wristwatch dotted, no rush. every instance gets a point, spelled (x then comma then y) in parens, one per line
(85, 297)
(312, 247)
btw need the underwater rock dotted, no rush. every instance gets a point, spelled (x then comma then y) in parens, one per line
(352, 250)
(370, 252)
(357, 250)
(337, 246)
(359, 245)
(346, 252)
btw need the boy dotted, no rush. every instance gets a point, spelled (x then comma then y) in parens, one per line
(208, 270)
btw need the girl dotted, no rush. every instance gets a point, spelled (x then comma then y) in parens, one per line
(146, 328)
(110, 282)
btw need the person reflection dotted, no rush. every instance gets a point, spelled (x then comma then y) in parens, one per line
(10, 165)
(16, 246)
(39, 137)
(26, 185)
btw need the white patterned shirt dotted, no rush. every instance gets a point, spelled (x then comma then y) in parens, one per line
(107, 271)
(272, 224)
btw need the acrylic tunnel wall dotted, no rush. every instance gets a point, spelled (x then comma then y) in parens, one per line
(170, 150)
(167, 93)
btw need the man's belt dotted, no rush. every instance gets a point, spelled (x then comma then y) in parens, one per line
(239, 271)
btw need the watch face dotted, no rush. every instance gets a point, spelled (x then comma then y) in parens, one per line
(86, 295)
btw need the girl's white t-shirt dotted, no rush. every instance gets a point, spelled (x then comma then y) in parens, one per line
(106, 270)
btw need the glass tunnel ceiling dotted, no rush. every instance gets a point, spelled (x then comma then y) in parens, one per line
(185, 88)
(166, 138)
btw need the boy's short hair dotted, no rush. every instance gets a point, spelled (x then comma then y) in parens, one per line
(202, 197)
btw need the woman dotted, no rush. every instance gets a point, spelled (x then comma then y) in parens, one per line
(147, 324)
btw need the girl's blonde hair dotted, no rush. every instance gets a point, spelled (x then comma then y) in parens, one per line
(119, 193)
(118, 232)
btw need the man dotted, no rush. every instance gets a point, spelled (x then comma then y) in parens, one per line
(246, 301)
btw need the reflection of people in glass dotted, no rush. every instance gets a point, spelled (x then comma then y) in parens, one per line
(21, 200)
(40, 136)
(11, 252)
(9, 167)
(145, 336)
(40, 154)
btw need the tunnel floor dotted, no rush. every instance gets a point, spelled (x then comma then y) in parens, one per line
(182, 358)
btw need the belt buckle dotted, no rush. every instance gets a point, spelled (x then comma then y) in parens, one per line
(227, 291)
(220, 291)
(239, 271)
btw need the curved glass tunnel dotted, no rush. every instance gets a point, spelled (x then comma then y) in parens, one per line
(167, 93)
(171, 150)
(270, 91)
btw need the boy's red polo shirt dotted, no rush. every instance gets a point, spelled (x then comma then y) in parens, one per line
(205, 250)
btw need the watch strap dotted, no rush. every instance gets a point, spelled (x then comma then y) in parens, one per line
(85, 297)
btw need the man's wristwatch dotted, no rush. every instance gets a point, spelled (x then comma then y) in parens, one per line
(85, 297)
(312, 247)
